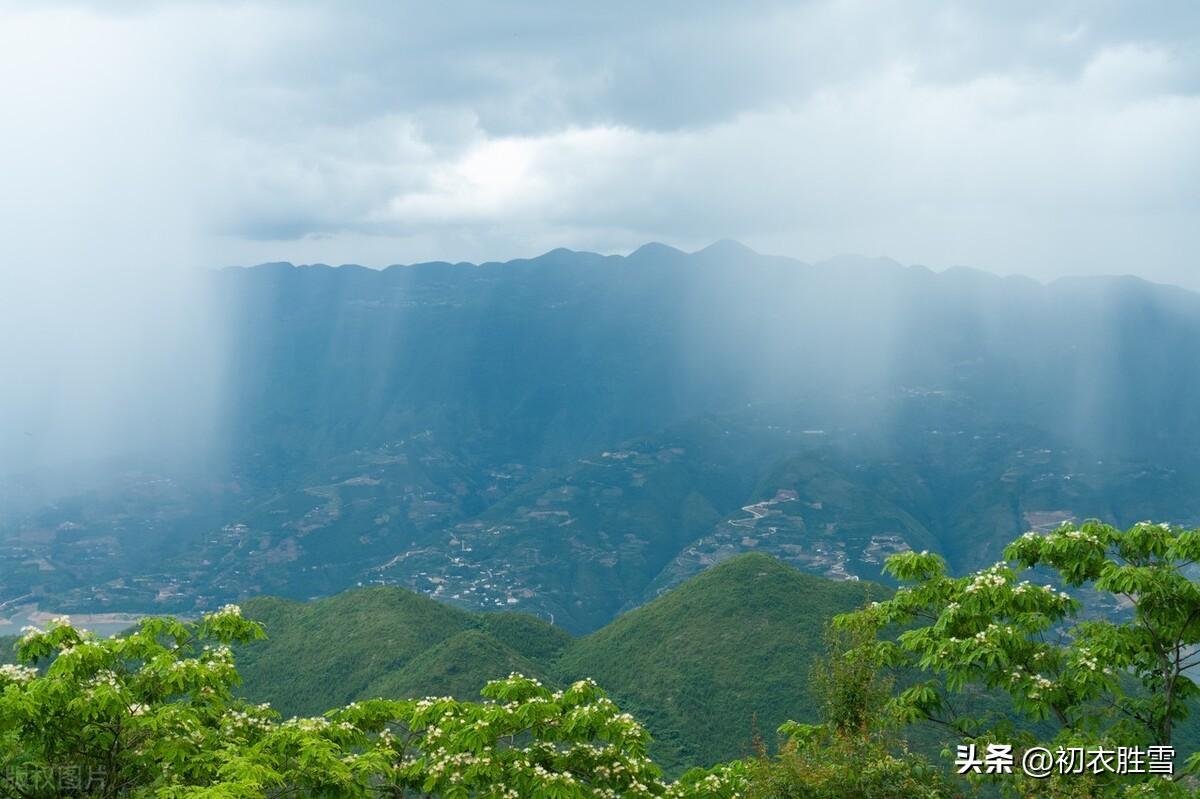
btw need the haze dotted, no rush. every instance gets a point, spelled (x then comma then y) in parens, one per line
(145, 140)
(1022, 139)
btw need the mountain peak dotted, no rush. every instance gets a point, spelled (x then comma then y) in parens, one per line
(727, 248)
(655, 249)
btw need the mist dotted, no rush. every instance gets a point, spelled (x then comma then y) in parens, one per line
(603, 342)
(121, 363)
(153, 142)
(110, 345)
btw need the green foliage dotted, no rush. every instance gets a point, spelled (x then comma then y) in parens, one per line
(697, 665)
(8, 649)
(156, 712)
(703, 662)
(143, 710)
(849, 681)
(453, 667)
(850, 754)
(1120, 682)
(386, 642)
(843, 768)
(528, 635)
(1144, 565)
(153, 714)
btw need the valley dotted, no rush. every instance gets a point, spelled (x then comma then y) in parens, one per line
(579, 544)
(572, 435)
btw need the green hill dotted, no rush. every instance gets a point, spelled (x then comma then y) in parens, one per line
(327, 652)
(697, 665)
(458, 666)
(7, 645)
(701, 663)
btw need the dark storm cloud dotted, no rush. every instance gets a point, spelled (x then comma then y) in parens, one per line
(1023, 136)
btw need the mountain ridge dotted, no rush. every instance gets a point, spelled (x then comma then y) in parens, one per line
(568, 435)
(724, 249)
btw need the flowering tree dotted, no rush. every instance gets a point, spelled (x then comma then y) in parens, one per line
(1095, 679)
(153, 714)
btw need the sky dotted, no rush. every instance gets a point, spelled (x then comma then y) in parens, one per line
(1018, 137)
(145, 141)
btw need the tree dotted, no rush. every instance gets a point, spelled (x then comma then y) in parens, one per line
(153, 714)
(1112, 678)
(850, 682)
(850, 754)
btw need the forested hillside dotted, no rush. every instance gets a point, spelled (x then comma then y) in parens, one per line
(386, 641)
(700, 666)
(985, 657)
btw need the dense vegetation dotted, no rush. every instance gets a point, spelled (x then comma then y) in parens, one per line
(728, 649)
(1109, 682)
(154, 712)
(386, 642)
(698, 666)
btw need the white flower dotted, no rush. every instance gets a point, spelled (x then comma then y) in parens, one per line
(10, 672)
(226, 611)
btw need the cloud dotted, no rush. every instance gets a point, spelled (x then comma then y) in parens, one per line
(1016, 137)
(145, 139)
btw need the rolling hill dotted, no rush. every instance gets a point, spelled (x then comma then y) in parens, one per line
(332, 651)
(700, 665)
(724, 652)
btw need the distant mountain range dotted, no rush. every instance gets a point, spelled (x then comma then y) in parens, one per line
(573, 434)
